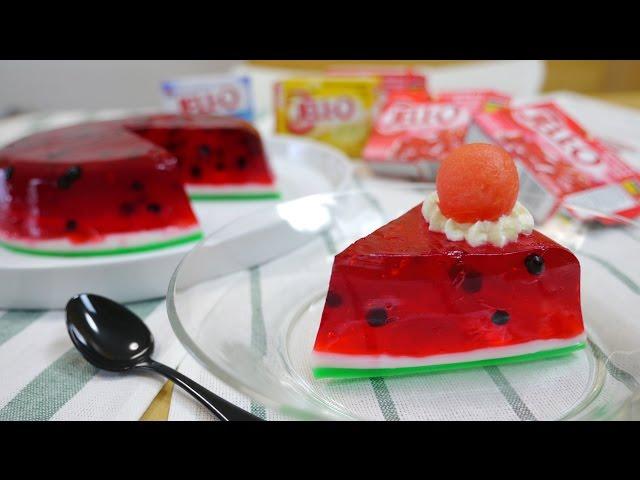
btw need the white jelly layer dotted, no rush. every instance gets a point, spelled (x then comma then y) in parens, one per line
(335, 360)
(504, 230)
(245, 188)
(108, 242)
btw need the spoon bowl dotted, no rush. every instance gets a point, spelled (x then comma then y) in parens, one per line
(107, 334)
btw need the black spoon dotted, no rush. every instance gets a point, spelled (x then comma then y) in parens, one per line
(112, 337)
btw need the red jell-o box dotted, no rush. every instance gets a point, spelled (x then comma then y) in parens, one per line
(560, 164)
(412, 133)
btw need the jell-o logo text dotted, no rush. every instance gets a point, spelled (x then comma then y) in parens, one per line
(403, 116)
(554, 129)
(305, 111)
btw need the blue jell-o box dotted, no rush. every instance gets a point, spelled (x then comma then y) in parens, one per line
(226, 95)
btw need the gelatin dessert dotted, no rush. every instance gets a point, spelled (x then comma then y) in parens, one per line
(119, 186)
(461, 280)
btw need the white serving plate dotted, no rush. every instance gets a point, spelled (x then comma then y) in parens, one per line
(302, 167)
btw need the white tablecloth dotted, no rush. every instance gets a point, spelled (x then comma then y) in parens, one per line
(43, 378)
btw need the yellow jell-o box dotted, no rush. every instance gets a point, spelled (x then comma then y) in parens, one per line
(333, 110)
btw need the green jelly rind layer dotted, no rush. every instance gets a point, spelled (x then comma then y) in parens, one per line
(235, 196)
(107, 251)
(335, 372)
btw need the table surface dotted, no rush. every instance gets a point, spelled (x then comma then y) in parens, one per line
(159, 407)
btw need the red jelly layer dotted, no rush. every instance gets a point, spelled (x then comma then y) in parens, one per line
(213, 151)
(406, 291)
(84, 182)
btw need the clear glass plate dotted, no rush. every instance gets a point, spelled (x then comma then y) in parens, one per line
(246, 303)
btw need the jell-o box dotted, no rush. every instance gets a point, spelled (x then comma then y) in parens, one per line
(413, 132)
(561, 165)
(223, 95)
(337, 111)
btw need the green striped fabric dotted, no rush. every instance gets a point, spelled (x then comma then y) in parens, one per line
(13, 322)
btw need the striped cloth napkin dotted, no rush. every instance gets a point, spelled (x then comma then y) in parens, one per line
(43, 377)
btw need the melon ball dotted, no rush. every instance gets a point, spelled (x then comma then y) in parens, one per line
(476, 182)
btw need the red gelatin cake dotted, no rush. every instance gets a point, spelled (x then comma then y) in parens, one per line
(425, 293)
(119, 186)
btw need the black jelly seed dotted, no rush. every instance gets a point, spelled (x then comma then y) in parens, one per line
(204, 150)
(196, 172)
(74, 172)
(333, 299)
(8, 173)
(220, 166)
(472, 282)
(71, 225)
(376, 317)
(127, 208)
(241, 162)
(154, 207)
(534, 264)
(70, 176)
(137, 185)
(500, 317)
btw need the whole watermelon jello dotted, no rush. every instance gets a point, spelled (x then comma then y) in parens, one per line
(119, 186)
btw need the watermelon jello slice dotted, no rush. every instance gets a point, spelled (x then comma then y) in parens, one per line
(407, 300)
(91, 189)
(219, 157)
(422, 294)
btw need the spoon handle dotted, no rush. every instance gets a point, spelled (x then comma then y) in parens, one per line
(222, 409)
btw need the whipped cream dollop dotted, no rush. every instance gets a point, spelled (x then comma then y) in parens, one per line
(504, 230)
